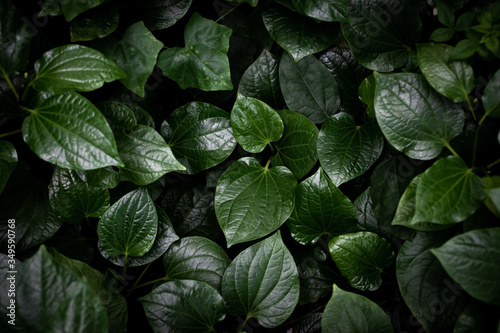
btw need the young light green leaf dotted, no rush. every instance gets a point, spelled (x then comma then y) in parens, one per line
(262, 282)
(320, 208)
(451, 78)
(448, 192)
(158, 15)
(255, 124)
(72, 9)
(74, 67)
(135, 53)
(203, 62)
(308, 88)
(196, 258)
(381, 33)
(96, 24)
(490, 98)
(351, 313)
(199, 135)
(296, 149)
(69, 131)
(72, 199)
(471, 259)
(361, 257)
(330, 10)
(118, 115)
(8, 161)
(183, 306)
(252, 201)
(414, 119)
(299, 35)
(129, 226)
(346, 150)
(146, 155)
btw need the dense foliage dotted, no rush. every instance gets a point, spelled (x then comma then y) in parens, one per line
(202, 166)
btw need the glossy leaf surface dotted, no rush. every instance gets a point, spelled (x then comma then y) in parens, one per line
(159, 15)
(330, 10)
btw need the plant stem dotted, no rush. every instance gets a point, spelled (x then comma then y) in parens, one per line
(125, 264)
(229, 11)
(267, 164)
(491, 165)
(142, 274)
(10, 133)
(6, 77)
(270, 146)
(471, 108)
(483, 119)
(244, 323)
(26, 90)
(447, 145)
(148, 283)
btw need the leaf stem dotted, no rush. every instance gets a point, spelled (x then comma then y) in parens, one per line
(447, 145)
(491, 165)
(244, 324)
(267, 164)
(26, 90)
(471, 108)
(148, 283)
(9, 82)
(140, 276)
(10, 133)
(229, 11)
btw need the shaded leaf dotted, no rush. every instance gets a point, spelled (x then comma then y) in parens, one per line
(159, 15)
(95, 24)
(118, 115)
(330, 10)
(72, 9)
(8, 162)
(490, 98)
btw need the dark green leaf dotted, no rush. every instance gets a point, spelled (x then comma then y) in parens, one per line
(476, 319)
(129, 226)
(490, 98)
(309, 324)
(448, 192)
(7, 264)
(465, 49)
(146, 155)
(451, 78)
(345, 150)
(446, 14)
(203, 62)
(366, 94)
(255, 124)
(70, 242)
(252, 201)
(296, 149)
(330, 10)
(50, 8)
(442, 34)
(492, 194)
(199, 135)
(103, 177)
(72, 9)
(162, 14)
(118, 115)
(183, 306)
(381, 33)
(308, 88)
(414, 119)
(94, 25)
(8, 162)
(196, 258)
(261, 80)
(141, 115)
(69, 131)
(320, 208)
(299, 35)
(352, 313)
(262, 282)
(361, 257)
(471, 259)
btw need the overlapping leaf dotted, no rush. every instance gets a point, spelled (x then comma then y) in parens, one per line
(8, 161)
(97, 24)
(159, 15)
(330, 10)
(118, 115)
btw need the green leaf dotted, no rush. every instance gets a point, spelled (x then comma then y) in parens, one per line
(446, 14)
(118, 115)
(361, 257)
(72, 9)
(414, 119)
(442, 34)
(366, 94)
(471, 259)
(433, 297)
(465, 49)
(261, 80)
(320, 208)
(146, 155)
(70, 242)
(492, 191)
(490, 98)
(381, 33)
(183, 306)
(330, 10)
(96, 24)
(15, 38)
(252, 201)
(69, 131)
(199, 135)
(142, 116)
(296, 149)
(451, 78)
(252, 3)
(129, 226)
(311, 323)
(196, 258)
(346, 150)
(351, 313)
(8, 162)
(136, 53)
(308, 88)
(165, 236)
(162, 14)
(203, 62)
(255, 124)
(103, 177)
(262, 282)
(72, 199)
(448, 192)
(299, 35)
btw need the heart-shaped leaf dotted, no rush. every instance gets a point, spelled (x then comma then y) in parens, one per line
(94, 24)
(67, 130)
(381, 33)
(252, 201)
(8, 161)
(262, 282)
(203, 62)
(451, 78)
(255, 124)
(448, 192)
(118, 115)
(296, 149)
(414, 119)
(162, 14)
(490, 98)
(196, 258)
(471, 259)
(320, 208)
(349, 313)
(330, 10)
(309, 88)
(346, 150)
(199, 135)
(129, 226)
(183, 306)
(361, 257)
